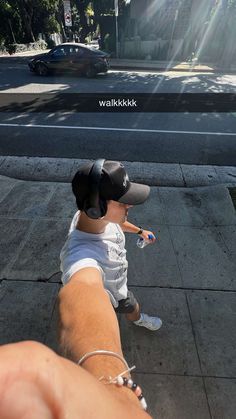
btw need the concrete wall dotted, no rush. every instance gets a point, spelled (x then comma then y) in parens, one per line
(155, 50)
(57, 38)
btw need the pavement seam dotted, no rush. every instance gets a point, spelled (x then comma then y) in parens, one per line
(35, 169)
(130, 286)
(182, 288)
(50, 277)
(175, 253)
(198, 355)
(219, 377)
(183, 177)
(163, 209)
(51, 317)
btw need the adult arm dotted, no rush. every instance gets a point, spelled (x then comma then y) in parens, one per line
(36, 382)
(88, 322)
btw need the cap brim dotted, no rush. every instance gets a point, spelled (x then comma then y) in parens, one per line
(136, 194)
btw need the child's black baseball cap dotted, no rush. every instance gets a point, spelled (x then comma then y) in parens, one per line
(114, 184)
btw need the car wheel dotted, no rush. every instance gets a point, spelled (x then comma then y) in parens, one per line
(41, 69)
(90, 72)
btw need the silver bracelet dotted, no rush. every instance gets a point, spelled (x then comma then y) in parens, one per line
(102, 352)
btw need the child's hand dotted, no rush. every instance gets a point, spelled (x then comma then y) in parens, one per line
(149, 236)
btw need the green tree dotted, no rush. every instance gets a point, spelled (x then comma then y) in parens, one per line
(85, 28)
(104, 18)
(25, 9)
(27, 18)
(103, 7)
(10, 23)
(107, 7)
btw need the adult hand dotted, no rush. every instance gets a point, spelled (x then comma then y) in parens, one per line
(37, 383)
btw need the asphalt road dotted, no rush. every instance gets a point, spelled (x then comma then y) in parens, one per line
(190, 138)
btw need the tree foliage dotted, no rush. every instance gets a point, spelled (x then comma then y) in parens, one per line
(23, 20)
(84, 26)
(106, 7)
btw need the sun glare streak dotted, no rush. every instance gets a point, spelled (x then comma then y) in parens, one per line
(154, 7)
(201, 15)
(205, 38)
(209, 30)
(151, 11)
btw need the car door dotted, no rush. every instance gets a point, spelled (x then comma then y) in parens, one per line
(78, 58)
(59, 59)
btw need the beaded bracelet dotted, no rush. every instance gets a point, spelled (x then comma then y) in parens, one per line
(127, 382)
(119, 380)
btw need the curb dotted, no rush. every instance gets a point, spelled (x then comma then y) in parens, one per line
(153, 174)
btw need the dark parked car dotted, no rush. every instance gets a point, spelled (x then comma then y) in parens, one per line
(70, 57)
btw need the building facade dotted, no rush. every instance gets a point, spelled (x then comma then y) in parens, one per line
(168, 29)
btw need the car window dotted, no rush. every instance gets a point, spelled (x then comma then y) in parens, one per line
(92, 48)
(77, 51)
(71, 50)
(59, 52)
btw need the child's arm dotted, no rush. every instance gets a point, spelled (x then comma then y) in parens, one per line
(128, 227)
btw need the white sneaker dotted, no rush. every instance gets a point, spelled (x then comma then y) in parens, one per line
(151, 323)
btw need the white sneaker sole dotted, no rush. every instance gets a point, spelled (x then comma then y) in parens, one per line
(153, 329)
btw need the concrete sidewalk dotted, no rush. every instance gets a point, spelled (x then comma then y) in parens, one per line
(188, 368)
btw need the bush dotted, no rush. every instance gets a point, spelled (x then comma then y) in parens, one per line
(20, 47)
(3, 49)
(41, 44)
(13, 48)
(50, 43)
